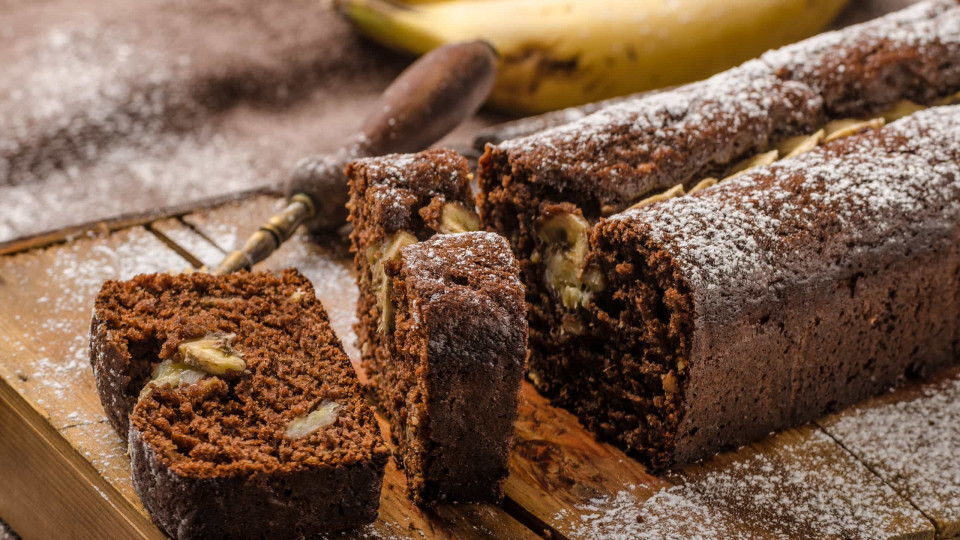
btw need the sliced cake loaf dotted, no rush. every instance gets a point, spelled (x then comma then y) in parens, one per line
(442, 323)
(243, 415)
(783, 293)
(546, 192)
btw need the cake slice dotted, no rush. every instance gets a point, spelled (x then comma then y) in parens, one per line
(243, 415)
(453, 383)
(442, 326)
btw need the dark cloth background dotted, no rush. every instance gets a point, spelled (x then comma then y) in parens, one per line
(110, 107)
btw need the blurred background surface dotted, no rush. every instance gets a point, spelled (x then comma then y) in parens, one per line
(111, 107)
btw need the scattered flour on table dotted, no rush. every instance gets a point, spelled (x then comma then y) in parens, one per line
(77, 88)
(208, 253)
(73, 281)
(914, 445)
(96, 124)
(799, 491)
(102, 447)
(173, 168)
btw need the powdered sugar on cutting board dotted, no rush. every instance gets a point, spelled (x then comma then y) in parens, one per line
(56, 325)
(913, 444)
(803, 488)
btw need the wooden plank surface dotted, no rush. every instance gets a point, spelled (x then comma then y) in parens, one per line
(911, 438)
(47, 296)
(50, 490)
(200, 251)
(45, 303)
(799, 483)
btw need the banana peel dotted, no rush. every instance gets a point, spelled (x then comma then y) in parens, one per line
(561, 53)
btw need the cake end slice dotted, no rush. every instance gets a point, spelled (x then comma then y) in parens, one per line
(244, 415)
(454, 380)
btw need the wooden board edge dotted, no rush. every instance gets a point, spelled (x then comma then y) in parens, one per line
(124, 221)
(63, 497)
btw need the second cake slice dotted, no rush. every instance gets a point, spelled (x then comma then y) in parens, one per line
(442, 325)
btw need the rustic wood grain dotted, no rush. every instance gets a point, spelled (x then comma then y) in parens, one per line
(799, 483)
(796, 484)
(45, 302)
(911, 438)
(125, 221)
(50, 490)
(183, 239)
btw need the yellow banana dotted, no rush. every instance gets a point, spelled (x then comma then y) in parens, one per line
(560, 53)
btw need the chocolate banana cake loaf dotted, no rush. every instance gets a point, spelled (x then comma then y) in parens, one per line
(786, 292)
(546, 191)
(243, 415)
(442, 325)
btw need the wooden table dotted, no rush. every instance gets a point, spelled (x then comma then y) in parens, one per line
(888, 468)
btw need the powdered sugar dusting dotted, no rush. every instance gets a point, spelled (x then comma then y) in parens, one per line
(913, 444)
(396, 181)
(756, 232)
(627, 149)
(802, 487)
(56, 324)
(916, 26)
(462, 254)
(204, 250)
(101, 446)
(710, 121)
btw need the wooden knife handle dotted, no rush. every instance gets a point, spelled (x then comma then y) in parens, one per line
(428, 100)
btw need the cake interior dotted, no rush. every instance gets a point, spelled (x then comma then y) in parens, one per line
(452, 385)
(396, 200)
(250, 421)
(644, 323)
(403, 393)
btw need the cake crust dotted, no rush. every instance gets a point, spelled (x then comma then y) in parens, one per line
(683, 139)
(460, 348)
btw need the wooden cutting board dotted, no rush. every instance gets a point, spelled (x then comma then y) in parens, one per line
(889, 468)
